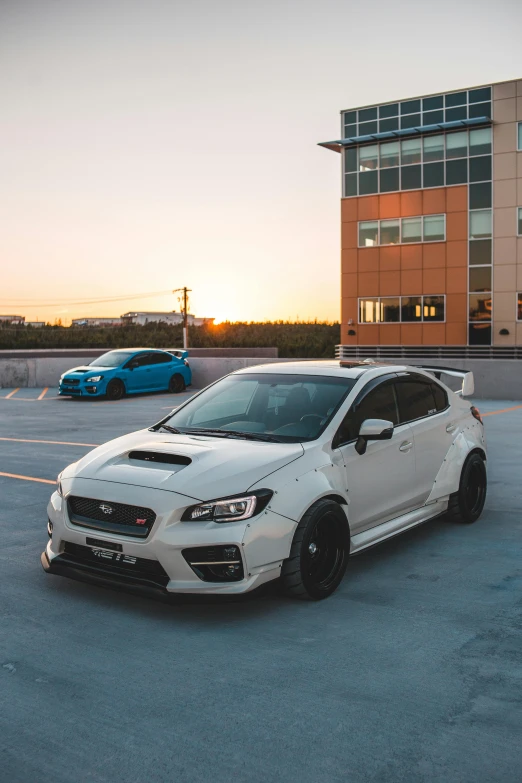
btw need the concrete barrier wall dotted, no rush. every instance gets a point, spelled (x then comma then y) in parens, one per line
(46, 371)
(494, 378)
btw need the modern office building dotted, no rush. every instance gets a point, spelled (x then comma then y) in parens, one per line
(431, 216)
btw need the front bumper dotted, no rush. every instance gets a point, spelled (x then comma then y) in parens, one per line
(263, 541)
(83, 389)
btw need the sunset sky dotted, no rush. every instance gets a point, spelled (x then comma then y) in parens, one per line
(151, 144)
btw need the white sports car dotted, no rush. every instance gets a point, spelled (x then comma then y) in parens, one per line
(278, 471)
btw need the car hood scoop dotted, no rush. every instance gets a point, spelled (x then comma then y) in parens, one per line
(200, 467)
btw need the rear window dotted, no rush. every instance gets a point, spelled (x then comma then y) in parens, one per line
(416, 400)
(440, 396)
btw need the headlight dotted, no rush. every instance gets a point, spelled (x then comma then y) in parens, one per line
(59, 485)
(229, 509)
(94, 378)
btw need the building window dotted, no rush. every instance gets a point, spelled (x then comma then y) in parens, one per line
(519, 221)
(405, 309)
(427, 228)
(480, 307)
(410, 151)
(479, 279)
(368, 157)
(457, 145)
(519, 306)
(480, 195)
(389, 154)
(480, 223)
(368, 233)
(519, 144)
(369, 311)
(480, 252)
(390, 232)
(480, 141)
(433, 148)
(434, 228)
(412, 230)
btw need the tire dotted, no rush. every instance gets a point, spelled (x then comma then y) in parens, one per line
(115, 390)
(309, 575)
(465, 506)
(177, 384)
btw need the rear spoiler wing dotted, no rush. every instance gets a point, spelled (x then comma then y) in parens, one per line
(468, 381)
(178, 353)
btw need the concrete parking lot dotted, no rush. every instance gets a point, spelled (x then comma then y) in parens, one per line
(411, 672)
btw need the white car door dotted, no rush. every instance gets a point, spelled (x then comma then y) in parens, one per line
(424, 405)
(381, 482)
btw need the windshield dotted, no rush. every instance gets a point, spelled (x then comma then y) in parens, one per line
(289, 408)
(111, 359)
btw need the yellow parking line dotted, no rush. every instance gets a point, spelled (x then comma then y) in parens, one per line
(42, 395)
(8, 396)
(52, 442)
(503, 410)
(27, 478)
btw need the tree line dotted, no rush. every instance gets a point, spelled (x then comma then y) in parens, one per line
(302, 339)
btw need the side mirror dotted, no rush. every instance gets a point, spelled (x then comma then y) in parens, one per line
(373, 429)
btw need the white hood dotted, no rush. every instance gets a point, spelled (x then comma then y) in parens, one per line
(218, 467)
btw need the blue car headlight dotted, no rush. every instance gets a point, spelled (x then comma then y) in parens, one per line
(94, 378)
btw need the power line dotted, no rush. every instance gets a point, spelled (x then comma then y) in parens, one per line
(39, 303)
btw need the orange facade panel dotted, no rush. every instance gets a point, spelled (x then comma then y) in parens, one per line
(409, 269)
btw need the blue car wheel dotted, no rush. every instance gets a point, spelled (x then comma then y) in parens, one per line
(177, 384)
(115, 389)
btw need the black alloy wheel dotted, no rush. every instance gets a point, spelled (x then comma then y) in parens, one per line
(319, 553)
(467, 503)
(115, 389)
(177, 384)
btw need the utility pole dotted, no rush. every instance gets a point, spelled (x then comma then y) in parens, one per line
(184, 311)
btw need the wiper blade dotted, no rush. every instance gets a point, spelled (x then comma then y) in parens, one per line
(231, 434)
(166, 427)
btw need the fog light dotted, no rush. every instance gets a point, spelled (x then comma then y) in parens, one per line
(215, 563)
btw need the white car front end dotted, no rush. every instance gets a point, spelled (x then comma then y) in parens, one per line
(195, 555)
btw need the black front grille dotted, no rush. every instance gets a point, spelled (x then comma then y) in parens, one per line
(115, 563)
(71, 382)
(113, 517)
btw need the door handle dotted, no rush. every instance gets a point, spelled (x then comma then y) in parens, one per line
(405, 446)
(451, 427)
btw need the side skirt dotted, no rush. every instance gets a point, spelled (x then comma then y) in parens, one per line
(398, 525)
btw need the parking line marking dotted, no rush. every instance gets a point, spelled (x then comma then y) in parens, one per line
(503, 410)
(27, 478)
(8, 396)
(52, 442)
(42, 395)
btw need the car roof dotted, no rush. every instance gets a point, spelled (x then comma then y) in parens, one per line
(136, 350)
(332, 367)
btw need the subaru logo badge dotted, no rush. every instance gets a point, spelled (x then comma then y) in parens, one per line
(106, 509)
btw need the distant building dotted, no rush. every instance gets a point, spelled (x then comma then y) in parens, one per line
(34, 324)
(172, 318)
(96, 322)
(14, 320)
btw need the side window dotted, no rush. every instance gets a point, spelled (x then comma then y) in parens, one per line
(380, 403)
(416, 400)
(144, 360)
(441, 398)
(161, 358)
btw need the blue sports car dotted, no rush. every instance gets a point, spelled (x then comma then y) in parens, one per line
(128, 371)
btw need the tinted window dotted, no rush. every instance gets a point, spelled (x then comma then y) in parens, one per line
(110, 359)
(440, 396)
(380, 403)
(144, 360)
(162, 358)
(415, 400)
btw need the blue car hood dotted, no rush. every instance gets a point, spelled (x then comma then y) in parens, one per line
(82, 370)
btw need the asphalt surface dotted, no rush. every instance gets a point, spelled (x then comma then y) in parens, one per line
(410, 672)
